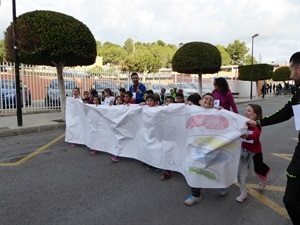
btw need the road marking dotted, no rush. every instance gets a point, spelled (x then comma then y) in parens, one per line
(250, 187)
(36, 152)
(284, 156)
(268, 202)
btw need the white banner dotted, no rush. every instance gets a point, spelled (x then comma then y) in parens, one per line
(202, 144)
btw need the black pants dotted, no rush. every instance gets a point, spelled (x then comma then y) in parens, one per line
(291, 197)
(259, 166)
(196, 192)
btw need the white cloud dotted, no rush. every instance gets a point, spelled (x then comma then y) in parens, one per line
(215, 21)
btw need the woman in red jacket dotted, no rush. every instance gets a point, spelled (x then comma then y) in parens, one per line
(251, 154)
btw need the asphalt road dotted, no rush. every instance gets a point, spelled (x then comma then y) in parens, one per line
(44, 180)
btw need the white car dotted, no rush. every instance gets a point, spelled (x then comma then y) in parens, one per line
(205, 89)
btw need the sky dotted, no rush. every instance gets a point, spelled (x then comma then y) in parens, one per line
(219, 22)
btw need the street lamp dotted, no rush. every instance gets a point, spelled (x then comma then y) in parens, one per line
(17, 73)
(255, 35)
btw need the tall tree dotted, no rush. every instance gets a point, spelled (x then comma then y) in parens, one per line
(226, 60)
(53, 39)
(2, 51)
(197, 58)
(281, 74)
(112, 53)
(129, 46)
(237, 51)
(248, 60)
(143, 61)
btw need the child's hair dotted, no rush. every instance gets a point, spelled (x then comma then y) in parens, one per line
(149, 92)
(257, 110)
(208, 93)
(151, 97)
(179, 94)
(194, 99)
(107, 90)
(157, 97)
(77, 88)
(122, 90)
(118, 97)
(86, 92)
(85, 100)
(93, 92)
(170, 97)
(128, 93)
(96, 96)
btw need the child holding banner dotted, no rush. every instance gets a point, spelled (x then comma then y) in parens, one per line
(251, 153)
(118, 101)
(96, 102)
(207, 101)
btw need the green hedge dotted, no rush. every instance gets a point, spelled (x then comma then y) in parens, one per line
(260, 72)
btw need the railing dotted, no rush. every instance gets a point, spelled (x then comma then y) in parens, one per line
(35, 83)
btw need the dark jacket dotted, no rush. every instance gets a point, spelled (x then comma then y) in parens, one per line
(285, 113)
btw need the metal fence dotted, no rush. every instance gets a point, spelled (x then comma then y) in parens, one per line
(38, 83)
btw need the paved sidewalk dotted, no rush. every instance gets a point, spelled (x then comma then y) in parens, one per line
(32, 123)
(45, 121)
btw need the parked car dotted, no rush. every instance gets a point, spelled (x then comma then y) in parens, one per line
(101, 85)
(53, 93)
(205, 89)
(9, 95)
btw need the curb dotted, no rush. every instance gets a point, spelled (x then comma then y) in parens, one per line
(32, 129)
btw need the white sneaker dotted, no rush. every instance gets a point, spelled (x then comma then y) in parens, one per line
(262, 184)
(241, 198)
(223, 191)
(192, 200)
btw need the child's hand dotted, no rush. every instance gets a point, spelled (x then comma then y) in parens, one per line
(142, 103)
(244, 136)
(219, 107)
(251, 122)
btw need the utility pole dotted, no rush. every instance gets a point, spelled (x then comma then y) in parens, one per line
(17, 73)
(255, 35)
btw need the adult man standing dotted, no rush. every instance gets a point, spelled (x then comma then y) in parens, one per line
(291, 198)
(137, 89)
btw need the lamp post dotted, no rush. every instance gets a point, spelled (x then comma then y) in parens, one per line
(255, 35)
(17, 74)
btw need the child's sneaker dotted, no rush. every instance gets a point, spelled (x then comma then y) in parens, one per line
(223, 191)
(241, 198)
(115, 158)
(74, 145)
(166, 176)
(149, 167)
(94, 152)
(192, 200)
(262, 184)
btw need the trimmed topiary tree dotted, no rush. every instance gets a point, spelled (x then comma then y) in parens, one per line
(260, 72)
(197, 58)
(52, 39)
(281, 74)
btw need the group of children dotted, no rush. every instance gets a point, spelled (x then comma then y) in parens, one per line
(251, 150)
